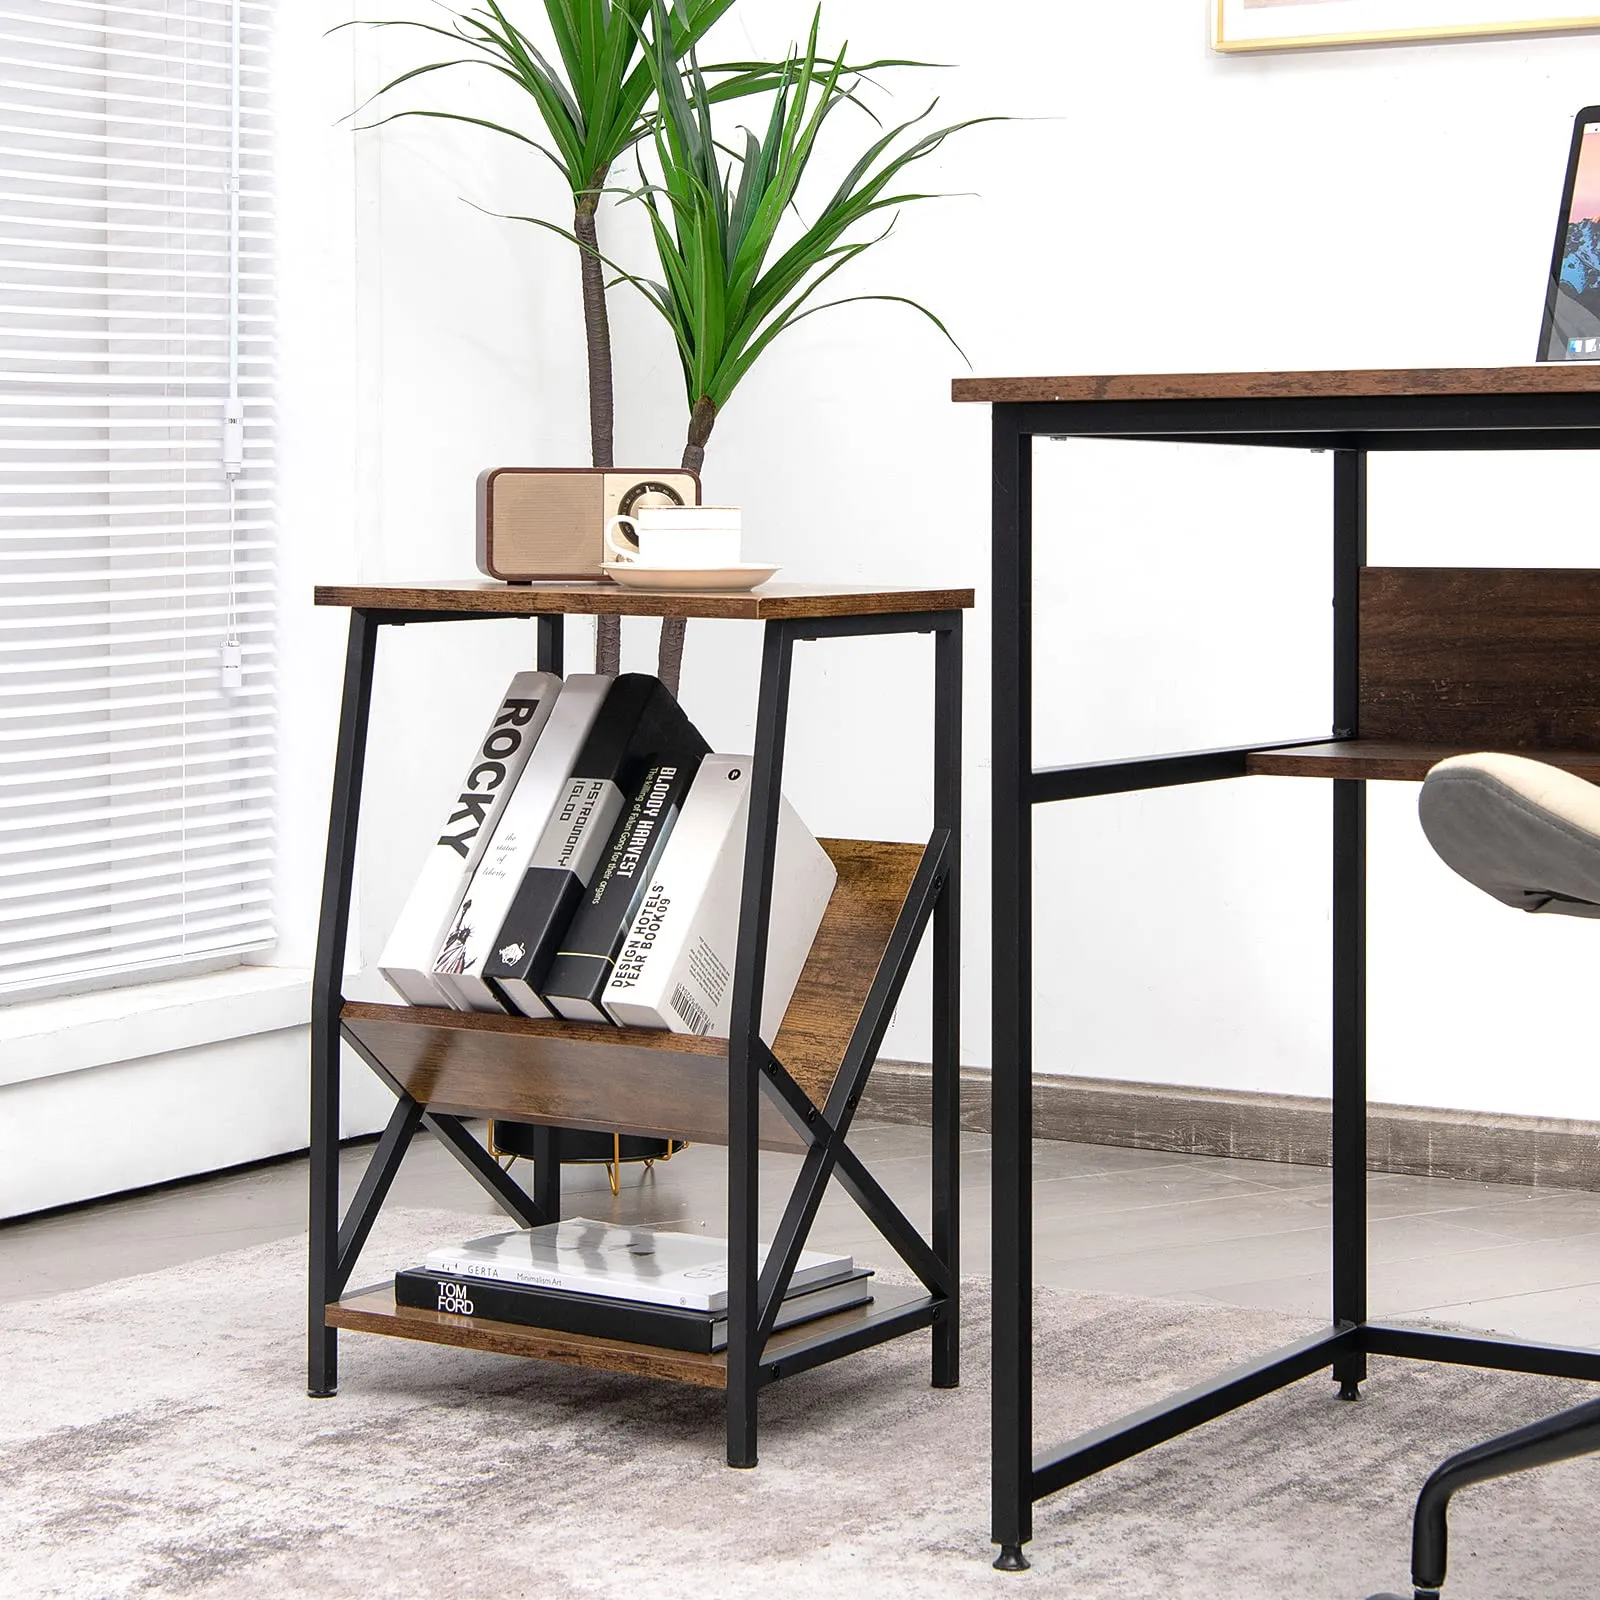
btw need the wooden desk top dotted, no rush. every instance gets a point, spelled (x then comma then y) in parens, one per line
(1577, 377)
(771, 601)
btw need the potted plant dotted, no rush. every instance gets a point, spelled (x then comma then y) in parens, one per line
(591, 108)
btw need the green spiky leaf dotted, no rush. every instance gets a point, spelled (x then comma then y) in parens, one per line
(731, 279)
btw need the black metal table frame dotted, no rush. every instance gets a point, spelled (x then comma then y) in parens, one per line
(754, 1299)
(1348, 428)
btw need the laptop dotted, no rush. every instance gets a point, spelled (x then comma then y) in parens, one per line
(1571, 328)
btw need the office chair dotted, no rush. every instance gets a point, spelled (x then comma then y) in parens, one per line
(1528, 834)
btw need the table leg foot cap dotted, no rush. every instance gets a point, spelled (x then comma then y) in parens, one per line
(1011, 1559)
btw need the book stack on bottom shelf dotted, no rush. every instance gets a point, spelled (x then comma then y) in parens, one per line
(893, 1309)
(637, 1285)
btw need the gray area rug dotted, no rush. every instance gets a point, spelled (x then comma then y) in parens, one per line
(155, 1438)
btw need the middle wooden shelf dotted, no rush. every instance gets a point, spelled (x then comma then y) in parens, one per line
(649, 1081)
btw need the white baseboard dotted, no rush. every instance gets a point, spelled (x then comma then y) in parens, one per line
(84, 1135)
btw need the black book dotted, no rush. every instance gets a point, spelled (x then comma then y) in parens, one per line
(587, 950)
(639, 720)
(561, 1311)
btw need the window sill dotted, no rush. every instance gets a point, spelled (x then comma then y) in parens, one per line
(43, 1038)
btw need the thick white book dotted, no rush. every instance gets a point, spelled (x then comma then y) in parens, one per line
(458, 968)
(675, 968)
(408, 958)
(646, 1265)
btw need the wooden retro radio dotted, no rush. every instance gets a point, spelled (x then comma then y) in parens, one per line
(549, 522)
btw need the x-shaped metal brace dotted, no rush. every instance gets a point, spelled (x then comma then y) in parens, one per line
(384, 1164)
(825, 1128)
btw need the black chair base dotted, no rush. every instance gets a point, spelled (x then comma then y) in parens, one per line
(1568, 1434)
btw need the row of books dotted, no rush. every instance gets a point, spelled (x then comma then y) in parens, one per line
(591, 865)
(641, 1285)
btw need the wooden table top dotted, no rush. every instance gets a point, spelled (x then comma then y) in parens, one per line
(772, 601)
(1577, 377)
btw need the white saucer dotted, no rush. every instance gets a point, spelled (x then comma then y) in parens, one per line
(744, 575)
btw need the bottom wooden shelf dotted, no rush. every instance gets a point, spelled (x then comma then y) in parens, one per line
(374, 1311)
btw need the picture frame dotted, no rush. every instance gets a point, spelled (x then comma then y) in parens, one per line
(1243, 26)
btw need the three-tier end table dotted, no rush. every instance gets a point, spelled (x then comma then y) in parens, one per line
(1427, 662)
(444, 1066)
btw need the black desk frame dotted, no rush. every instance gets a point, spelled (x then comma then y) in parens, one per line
(1348, 427)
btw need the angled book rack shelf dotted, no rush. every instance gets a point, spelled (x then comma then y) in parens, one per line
(446, 1066)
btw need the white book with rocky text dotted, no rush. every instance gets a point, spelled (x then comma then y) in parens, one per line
(470, 943)
(413, 946)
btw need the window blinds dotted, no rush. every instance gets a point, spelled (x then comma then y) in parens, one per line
(136, 473)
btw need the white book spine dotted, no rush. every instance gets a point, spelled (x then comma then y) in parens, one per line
(544, 782)
(704, 1288)
(644, 1292)
(413, 946)
(675, 969)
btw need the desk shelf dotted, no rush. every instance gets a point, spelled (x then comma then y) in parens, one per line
(1393, 760)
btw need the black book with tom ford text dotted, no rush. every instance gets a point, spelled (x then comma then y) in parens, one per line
(637, 723)
(587, 951)
(597, 1317)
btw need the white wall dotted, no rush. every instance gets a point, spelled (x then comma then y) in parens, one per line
(1154, 207)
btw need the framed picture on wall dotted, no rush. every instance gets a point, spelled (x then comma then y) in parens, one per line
(1241, 25)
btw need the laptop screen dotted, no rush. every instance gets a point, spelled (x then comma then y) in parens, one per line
(1572, 309)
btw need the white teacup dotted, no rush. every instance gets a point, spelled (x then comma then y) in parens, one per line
(677, 536)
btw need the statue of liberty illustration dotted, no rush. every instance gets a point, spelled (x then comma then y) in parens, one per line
(452, 956)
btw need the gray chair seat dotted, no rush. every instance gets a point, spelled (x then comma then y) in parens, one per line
(1521, 830)
(1529, 834)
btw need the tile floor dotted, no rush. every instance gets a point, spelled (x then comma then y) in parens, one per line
(1522, 1261)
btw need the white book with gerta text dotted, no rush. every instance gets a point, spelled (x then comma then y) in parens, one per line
(408, 958)
(470, 942)
(675, 967)
(643, 1264)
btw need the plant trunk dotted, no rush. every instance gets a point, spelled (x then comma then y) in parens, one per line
(669, 661)
(669, 657)
(701, 421)
(602, 407)
(608, 644)
(596, 334)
